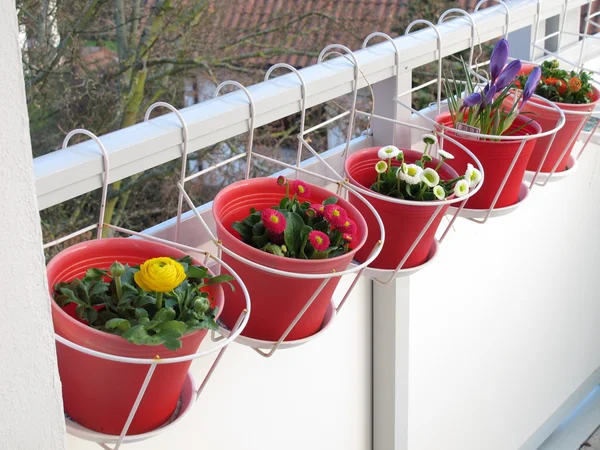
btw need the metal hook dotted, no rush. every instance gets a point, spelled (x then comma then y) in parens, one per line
(104, 181)
(467, 16)
(439, 50)
(302, 104)
(506, 9)
(184, 146)
(391, 40)
(348, 52)
(252, 117)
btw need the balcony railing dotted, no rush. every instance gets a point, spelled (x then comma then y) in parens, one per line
(387, 67)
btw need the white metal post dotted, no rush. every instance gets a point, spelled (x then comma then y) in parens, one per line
(390, 302)
(390, 364)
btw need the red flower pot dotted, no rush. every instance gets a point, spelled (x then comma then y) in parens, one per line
(566, 136)
(402, 223)
(496, 158)
(98, 393)
(276, 300)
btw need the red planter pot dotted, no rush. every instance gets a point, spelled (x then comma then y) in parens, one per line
(402, 223)
(98, 393)
(276, 300)
(496, 158)
(564, 137)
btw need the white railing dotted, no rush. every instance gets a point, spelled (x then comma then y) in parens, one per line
(65, 174)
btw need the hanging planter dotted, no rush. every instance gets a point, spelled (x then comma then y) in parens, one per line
(240, 212)
(98, 393)
(496, 157)
(571, 92)
(500, 136)
(404, 221)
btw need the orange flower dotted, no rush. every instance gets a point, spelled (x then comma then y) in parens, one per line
(574, 84)
(560, 85)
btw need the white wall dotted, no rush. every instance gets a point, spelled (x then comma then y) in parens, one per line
(31, 406)
(504, 326)
(315, 397)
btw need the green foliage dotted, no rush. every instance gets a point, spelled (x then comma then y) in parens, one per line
(300, 221)
(562, 86)
(111, 301)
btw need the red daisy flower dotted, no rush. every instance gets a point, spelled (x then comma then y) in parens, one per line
(335, 215)
(273, 221)
(318, 209)
(350, 239)
(301, 188)
(319, 240)
(349, 226)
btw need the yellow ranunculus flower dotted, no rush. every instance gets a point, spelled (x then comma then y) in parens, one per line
(160, 275)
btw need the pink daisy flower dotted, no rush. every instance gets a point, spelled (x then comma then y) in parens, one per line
(335, 215)
(273, 221)
(349, 226)
(301, 188)
(318, 209)
(319, 240)
(281, 181)
(350, 239)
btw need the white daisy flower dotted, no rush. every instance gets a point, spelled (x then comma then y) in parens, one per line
(461, 188)
(429, 139)
(388, 152)
(444, 154)
(439, 192)
(412, 174)
(472, 175)
(430, 177)
(381, 167)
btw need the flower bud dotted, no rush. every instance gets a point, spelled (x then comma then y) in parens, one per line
(427, 158)
(284, 249)
(400, 156)
(281, 181)
(117, 269)
(201, 305)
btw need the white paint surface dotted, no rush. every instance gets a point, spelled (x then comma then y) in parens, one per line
(317, 396)
(504, 327)
(30, 400)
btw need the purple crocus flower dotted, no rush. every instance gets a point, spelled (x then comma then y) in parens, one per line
(490, 92)
(531, 85)
(508, 75)
(498, 59)
(471, 100)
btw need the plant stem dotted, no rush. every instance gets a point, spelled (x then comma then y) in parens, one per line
(389, 165)
(119, 288)
(426, 148)
(440, 164)
(159, 299)
(378, 182)
(454, 180)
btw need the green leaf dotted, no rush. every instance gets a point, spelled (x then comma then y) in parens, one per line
(260, 240)
(330, 201)
(291, 234)
(121, 324)
(175, 326)
(304, 232)
(95, 273)
(273, 249)
(244, 230)
(164, 315)
(219, 279)
(284, 203)
(197, 272)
